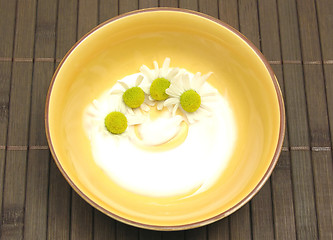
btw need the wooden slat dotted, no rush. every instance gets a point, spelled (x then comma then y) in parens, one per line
(25, 28)
(45, 29)
(248, 20)
(189, 4)
(35, 217)
(209, 7)
(66, 26)
(81, 218)
(277, 68)
(5, 75)
(219, 229)
(87, 16)
(323, 175)
(58, 205)
(128, 5)
(196, 234)
(296, 105)
(104, 226)
(178, 235)
(240, 224)
(269, 30)
(43, 72)
(19, 107)
(126, 232)
(14, 195)
(317, 107)
(2, 175)
(328, 71)
(228, 12)
(149, 235)
(308, 28)
(148, 3)
(22, 74)
(283, 207)
(302, 178)
(7, 27)
(168, 3)
(262, 213)
(324, 15)
(107, 9)
(289, 33)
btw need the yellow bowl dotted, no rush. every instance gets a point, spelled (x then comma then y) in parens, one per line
(198, 43)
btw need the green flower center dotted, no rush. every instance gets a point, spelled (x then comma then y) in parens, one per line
(115, 122)
(190, 101)
(134, 97)
(158, 87)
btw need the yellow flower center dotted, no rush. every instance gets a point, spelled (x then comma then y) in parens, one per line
(134, 97)
(190, 101)
(158, 87)
(115, 122)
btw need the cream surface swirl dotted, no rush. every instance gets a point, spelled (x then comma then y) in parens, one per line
(189, 168)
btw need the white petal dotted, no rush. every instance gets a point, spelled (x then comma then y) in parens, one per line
(122, 83)
(172, 74)
(130, 110)
(135, 119)
(171, 91)
(116, 91)
(160, 105)
(137, 112)
(148, 102)
(157, 70)
(169, 107)
(147, 72)
(144, 107)
(171, 101)
(186, 82)
(174, 110)
(196, 80)
(165, 68)
(146, 89)
(190, 117)
(203, 112)
(176, 89)
(138, 80)
(179, 84)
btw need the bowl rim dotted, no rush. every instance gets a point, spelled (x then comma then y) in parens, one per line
(219, 215)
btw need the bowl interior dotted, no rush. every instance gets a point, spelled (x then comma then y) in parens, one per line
(118, 48)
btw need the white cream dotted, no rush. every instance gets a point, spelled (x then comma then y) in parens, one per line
(161, 130)
(189, 168)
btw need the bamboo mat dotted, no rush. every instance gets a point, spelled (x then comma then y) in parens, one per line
(294, 35)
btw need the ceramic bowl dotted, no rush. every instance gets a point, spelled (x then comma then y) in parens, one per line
(198, 43)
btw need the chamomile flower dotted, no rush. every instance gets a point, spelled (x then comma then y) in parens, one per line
(132, 95)
(190, 95)
(159, 80)
(111, 118)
